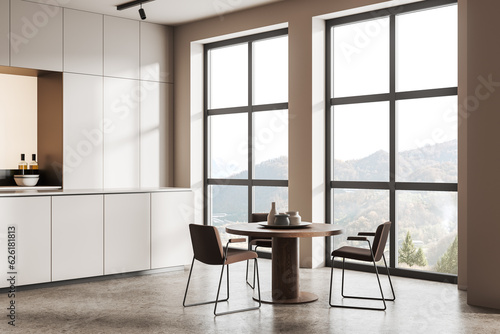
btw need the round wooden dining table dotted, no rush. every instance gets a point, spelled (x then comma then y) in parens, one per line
(285, 257)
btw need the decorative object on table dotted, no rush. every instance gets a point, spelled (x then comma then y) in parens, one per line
(301, 225)
(282, 219)
(295, 219)
(272, 213)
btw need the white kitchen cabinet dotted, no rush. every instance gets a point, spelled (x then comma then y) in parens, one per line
(83, 133)
(36, 36)
(77, 236)
(171, 214)
(121, 139)
(156, 134)
(126, 233)
(4, 32)
(156, 52)
(83, 39)
(31, 218)
(121, 48)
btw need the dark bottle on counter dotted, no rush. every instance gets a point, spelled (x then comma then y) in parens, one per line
(33, 164)
(23, 165)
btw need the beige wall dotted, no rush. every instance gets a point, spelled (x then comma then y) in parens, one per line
(18, 119)
(483, 160)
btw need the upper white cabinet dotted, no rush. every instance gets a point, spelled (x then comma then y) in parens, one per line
(36, 36)
(171, 214)
(4, 32)
(156, 134)
(156, 52)
(83, 131)
(77, 236)
(83, 38)
(31, 218)
(126, 233)
(121, 48)
(121, 137)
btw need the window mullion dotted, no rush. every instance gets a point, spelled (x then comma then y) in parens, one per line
(251, 156)
(392, 141)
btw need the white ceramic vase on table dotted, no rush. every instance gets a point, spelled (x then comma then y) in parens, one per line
(272, 213)
(295, 219)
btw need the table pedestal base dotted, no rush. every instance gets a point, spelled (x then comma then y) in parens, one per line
(304, 297)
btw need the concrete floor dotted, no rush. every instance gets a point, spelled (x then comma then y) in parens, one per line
(153, 304)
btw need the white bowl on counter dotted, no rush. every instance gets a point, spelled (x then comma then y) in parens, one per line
(26, 180)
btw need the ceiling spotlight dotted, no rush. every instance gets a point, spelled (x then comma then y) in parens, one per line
(142, 13)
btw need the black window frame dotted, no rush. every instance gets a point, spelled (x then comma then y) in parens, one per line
(392, 96)
(250, 182)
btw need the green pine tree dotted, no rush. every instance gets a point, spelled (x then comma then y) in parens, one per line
(409, 254)
(407, 251)
(420, 259)
(448, 263)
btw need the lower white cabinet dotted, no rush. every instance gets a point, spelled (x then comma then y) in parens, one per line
(126, 233)
(77, 236)
(171, 214)
(30, 217)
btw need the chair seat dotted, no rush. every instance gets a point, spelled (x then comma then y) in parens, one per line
(355, 253)
(236, 255)
(261, 243)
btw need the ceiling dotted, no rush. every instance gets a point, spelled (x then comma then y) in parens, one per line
(169, 12)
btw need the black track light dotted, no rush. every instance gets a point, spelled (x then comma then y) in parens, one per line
(142, 13)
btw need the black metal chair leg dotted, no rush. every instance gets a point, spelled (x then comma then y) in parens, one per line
(250, 285)
(383, 299)
(343, 269)
(202, 303)
(218, 288)
(239, 310)
(390, 281)
(256, 266)
(246, 276)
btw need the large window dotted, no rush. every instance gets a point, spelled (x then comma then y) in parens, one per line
(246, 127)
(392, 133)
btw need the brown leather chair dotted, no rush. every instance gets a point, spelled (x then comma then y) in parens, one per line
(207, 248)
(373, 253)
(257, 242)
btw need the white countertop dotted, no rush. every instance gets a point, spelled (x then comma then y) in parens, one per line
(13, 191)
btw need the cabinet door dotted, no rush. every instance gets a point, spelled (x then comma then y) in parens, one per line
(156, 134)
(83, 36)
(126, 233)
(121, 139)
(121, 48)
(83, 131)
(36, 36)
(31, 218)
(4, 32)
(171, 213)
(156, 52)
(77, 236)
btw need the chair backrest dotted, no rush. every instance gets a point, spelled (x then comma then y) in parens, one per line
(380, 240)
(258, 217)
(255, 218)
(207, 247)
